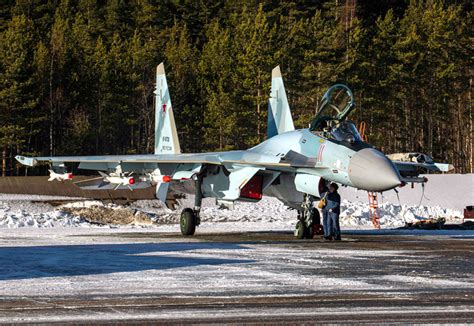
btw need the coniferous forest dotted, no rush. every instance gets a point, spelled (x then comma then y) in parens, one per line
(77, 77)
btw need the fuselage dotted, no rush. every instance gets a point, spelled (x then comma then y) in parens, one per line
(339, 161)
(354, 164)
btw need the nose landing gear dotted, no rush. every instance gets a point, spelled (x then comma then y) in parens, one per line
(303, 230)
(308, 220)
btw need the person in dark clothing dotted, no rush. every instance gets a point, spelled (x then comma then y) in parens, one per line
(331, 212)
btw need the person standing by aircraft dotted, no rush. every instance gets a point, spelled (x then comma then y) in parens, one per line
(331, 210)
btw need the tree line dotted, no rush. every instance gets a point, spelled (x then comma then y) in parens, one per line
(77, 77)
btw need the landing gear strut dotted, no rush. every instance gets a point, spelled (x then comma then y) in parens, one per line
(304, 226)
(190, 217)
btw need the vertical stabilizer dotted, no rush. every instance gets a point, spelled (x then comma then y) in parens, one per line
(279, 115)
(166, 136)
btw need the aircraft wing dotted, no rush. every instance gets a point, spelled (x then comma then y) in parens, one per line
(232, 158)
(226, 183)
(150, 158)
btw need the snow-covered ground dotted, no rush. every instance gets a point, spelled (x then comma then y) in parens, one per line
(269, 213)
(445, 196)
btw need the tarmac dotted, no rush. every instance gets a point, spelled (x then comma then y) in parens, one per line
(261, 278)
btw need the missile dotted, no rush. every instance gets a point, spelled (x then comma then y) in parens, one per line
(156, 178)
(123, 181)
(118, 180)
(59, 176)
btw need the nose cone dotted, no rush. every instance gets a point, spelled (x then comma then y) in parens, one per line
(371, 170)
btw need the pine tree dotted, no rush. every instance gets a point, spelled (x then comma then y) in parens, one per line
(253, 46)
(181, 58)
(78, 77)
(216, 76)
(322, 56)
(382, 88)
(17, 95)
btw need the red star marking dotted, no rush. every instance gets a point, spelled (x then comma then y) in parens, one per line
(164, 108)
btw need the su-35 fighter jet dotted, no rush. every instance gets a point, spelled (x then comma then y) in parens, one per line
(290, 165)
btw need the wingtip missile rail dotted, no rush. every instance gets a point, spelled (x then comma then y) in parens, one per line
(28, 161)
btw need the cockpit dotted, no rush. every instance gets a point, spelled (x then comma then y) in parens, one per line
(345, 131)
(330, 121)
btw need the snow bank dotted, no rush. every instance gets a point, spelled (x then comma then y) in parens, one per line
(268, 212)
(444, 196)
(356, 214)
(28, 218)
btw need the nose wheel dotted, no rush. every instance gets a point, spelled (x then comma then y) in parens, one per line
(304, 226)
(308, 221)
(302, 231)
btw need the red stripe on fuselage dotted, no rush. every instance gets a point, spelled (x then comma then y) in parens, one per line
(320, 153)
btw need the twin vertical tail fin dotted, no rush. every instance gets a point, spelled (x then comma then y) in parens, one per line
(166, 136)
(279, 115)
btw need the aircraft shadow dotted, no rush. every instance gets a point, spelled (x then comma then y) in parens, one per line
(76, 260)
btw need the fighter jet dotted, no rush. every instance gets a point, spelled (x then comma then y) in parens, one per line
(291, 164)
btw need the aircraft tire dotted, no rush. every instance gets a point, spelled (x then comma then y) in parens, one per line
(300, 230)
(187, 222)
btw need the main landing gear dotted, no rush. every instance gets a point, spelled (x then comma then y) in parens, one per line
(188, 221)
(190, 217)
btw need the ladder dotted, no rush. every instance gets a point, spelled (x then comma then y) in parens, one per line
(362, 127)
(374, 212)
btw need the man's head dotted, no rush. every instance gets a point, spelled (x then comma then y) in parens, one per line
(333, 187)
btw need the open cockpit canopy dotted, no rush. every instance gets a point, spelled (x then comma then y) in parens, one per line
(337, 103)
(330, 121)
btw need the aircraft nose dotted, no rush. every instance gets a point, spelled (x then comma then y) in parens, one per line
(371, 170)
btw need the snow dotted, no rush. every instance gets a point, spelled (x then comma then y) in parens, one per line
(18, 211)
(49, 253)
(269, 212)
(417, 280)
(357, 214)
(450, 191)
(29, 214)
(66, 261)
(8, 197)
